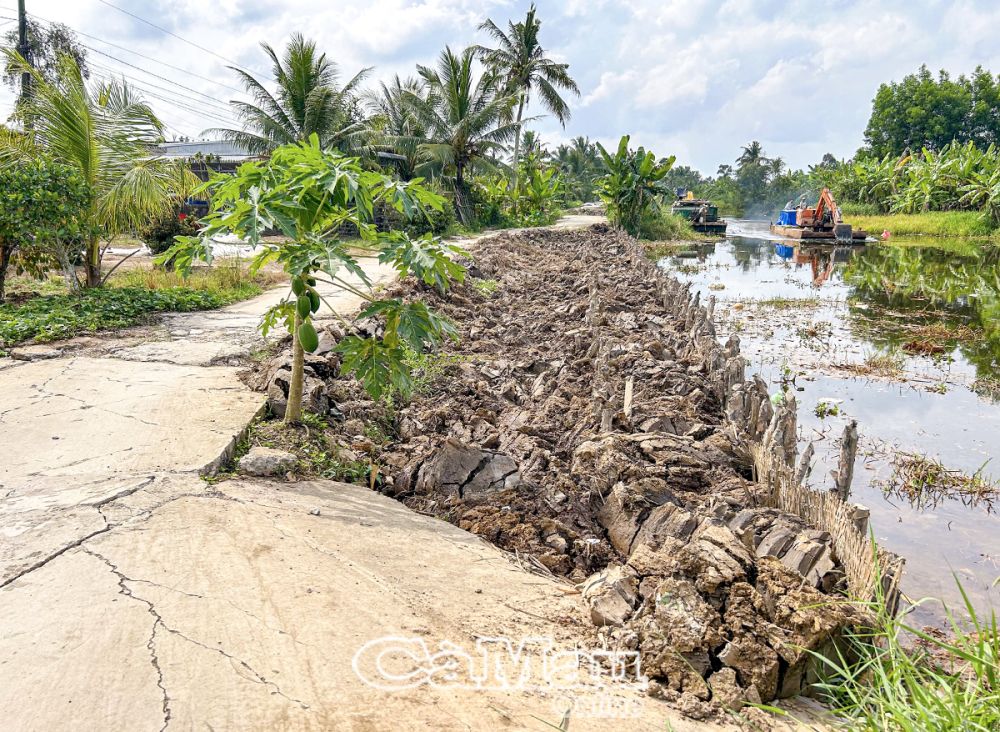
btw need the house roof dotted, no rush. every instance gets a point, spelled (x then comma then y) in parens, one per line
(222, 148)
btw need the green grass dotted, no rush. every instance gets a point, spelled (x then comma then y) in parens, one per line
(486, 287)
(229, 281)
(932, 223)
(665, 226)
(895, 677)
(131, 297)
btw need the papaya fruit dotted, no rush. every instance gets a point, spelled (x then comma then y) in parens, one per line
(308, 338)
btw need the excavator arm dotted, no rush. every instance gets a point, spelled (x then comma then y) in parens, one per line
(826, 202)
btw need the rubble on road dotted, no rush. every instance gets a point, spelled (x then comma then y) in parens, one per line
(590, 419)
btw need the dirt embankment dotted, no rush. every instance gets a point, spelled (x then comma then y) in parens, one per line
(589, 421)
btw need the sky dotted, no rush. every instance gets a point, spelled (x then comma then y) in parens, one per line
(693, 78)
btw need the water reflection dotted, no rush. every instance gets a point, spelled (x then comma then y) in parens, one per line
(806, 309)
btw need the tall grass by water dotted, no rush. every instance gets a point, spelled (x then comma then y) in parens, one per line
(931, 223)
(895, 677)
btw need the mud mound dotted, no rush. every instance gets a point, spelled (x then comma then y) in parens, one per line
(590, 420)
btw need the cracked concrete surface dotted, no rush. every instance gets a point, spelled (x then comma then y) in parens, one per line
(236, 608)
(134, 595)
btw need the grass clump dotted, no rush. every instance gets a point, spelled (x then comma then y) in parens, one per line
(428, 367)
(662, 225)
(787, 303)
(889, 365)
(895, 677)
(924, 481)
(486, 287)
(826, 408)
(230, 282)
(931, 223)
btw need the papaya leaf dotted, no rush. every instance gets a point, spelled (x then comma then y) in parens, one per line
(378, 366)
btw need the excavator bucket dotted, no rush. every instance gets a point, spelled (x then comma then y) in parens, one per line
(843, 232)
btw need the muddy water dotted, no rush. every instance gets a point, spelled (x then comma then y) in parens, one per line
(811, 319)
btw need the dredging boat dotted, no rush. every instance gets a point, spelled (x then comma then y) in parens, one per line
(820, 222)
(700, 212)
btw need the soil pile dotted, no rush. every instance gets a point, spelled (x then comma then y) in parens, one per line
(589, 420)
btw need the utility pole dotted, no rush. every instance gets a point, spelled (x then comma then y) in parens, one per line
(22, 48)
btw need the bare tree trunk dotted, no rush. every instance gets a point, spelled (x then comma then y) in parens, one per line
(6, 253)
(517, 143)
(293, 408)
(69, 271)
(93, 262)
(460, 200)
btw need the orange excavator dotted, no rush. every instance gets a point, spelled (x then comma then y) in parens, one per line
(822, 221)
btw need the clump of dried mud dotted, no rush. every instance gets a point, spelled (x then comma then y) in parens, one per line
(589, 419)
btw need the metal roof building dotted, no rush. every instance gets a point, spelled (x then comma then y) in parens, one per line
(221, 149)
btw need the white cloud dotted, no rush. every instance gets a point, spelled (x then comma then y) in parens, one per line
(696, 78)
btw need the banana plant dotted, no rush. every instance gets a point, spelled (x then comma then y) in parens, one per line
(632, 183)
(309, 195)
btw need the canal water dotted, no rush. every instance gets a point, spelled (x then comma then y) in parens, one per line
(902, 337)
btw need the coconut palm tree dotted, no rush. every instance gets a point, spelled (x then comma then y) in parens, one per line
(752, 154)
(106, 134)
(307, 100)
(395, 129)
(466, 119)
(520, 61)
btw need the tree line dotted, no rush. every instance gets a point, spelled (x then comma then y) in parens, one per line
(459, 124)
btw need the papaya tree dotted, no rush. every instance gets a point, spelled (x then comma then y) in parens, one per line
(310, 195)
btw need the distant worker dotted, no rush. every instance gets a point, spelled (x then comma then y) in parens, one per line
(802, 201)
(790, 206)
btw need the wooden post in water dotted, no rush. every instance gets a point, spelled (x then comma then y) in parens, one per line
(845, 468)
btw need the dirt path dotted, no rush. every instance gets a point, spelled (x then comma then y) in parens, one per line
(134, 595)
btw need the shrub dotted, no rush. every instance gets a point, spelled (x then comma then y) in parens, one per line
(43, 203)
(164, 228)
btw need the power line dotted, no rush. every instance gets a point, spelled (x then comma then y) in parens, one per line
(208, 114)
(171, 33)
(144, 71)
(140, 55)
(210, 98)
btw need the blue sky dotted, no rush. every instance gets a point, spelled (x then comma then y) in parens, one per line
(693, 78)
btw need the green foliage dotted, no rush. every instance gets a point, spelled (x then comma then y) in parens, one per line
(428, 367)
(105, 133)
(955, 177)
(632, 184)
(42, 205)
(308, 101)
(658, 224)
(428, 258)
(467, 122)
(878, 681)
(54, 317)
(309, 194)
(921, 111)
(933, 223)
(520, 61)
(163, 228)
(486, 287)
(580, 165)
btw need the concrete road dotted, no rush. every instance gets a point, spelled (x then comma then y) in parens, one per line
(135, 595)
